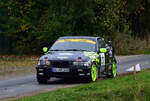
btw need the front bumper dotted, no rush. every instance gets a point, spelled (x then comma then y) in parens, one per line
(73, 72)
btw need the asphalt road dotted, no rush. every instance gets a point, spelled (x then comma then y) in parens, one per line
(27, 84)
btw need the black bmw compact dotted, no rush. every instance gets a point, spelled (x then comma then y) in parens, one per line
(77, 57)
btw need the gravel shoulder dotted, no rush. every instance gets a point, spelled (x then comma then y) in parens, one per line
(11, 67)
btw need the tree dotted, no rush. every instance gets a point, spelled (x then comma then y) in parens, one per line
(33, 24)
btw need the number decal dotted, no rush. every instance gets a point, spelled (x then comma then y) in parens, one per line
(102, 55)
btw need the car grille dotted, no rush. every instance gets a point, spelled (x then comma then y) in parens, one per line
(60, 64)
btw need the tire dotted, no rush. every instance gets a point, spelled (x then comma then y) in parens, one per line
(93, 74)
(42, 79)
(113, 71)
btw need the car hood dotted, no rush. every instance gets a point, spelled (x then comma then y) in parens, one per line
(69, 55)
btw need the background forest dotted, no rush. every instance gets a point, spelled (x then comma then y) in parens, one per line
(28, 25)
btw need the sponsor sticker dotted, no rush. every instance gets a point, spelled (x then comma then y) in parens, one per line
(102, 59)
(76, 40)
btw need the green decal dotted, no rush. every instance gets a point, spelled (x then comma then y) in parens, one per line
(93, 55)
(97, 60)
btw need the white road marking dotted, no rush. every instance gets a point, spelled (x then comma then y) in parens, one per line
(138, 68)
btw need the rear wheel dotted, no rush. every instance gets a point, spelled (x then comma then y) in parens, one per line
(113, 71)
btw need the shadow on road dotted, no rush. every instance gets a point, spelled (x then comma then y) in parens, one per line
(67, 81)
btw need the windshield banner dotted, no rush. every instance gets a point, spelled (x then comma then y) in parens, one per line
(76, 40)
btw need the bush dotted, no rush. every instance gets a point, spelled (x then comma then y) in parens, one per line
(126, 44)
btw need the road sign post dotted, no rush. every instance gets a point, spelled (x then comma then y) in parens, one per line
(134, 73)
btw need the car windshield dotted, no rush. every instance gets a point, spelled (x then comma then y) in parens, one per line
(74, 45)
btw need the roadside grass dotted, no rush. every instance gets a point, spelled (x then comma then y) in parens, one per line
(12, 66)
(118, 89)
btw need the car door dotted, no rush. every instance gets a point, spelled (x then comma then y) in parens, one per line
(102, 56)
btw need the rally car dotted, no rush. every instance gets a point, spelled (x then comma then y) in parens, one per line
(77, 57)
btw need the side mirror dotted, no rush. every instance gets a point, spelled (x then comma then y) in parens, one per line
(45, 49)
(110, 41)
(103, 50)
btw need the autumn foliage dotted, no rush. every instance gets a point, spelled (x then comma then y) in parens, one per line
(33, 24)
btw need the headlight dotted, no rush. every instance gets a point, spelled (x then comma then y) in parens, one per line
(44, 62)
(82, 63)
(39, 63)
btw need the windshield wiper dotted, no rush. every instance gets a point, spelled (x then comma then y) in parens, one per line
(55, 50)
(69, 50)
(75, 50)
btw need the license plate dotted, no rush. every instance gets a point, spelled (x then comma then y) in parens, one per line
(60, 70)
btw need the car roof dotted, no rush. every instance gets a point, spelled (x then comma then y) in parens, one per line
(82, 37)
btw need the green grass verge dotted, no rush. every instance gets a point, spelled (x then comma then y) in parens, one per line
(119, 89)
(15, 66)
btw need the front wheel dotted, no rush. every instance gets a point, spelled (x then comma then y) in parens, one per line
(93, 73)
(42, 79)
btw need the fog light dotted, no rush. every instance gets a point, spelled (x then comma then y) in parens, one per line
(75, 63)
(88, 74)
(40, 69)
(41, 73)
(80, 70)
(81, 74)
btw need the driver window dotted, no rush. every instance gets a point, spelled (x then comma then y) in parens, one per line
(101, 44)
